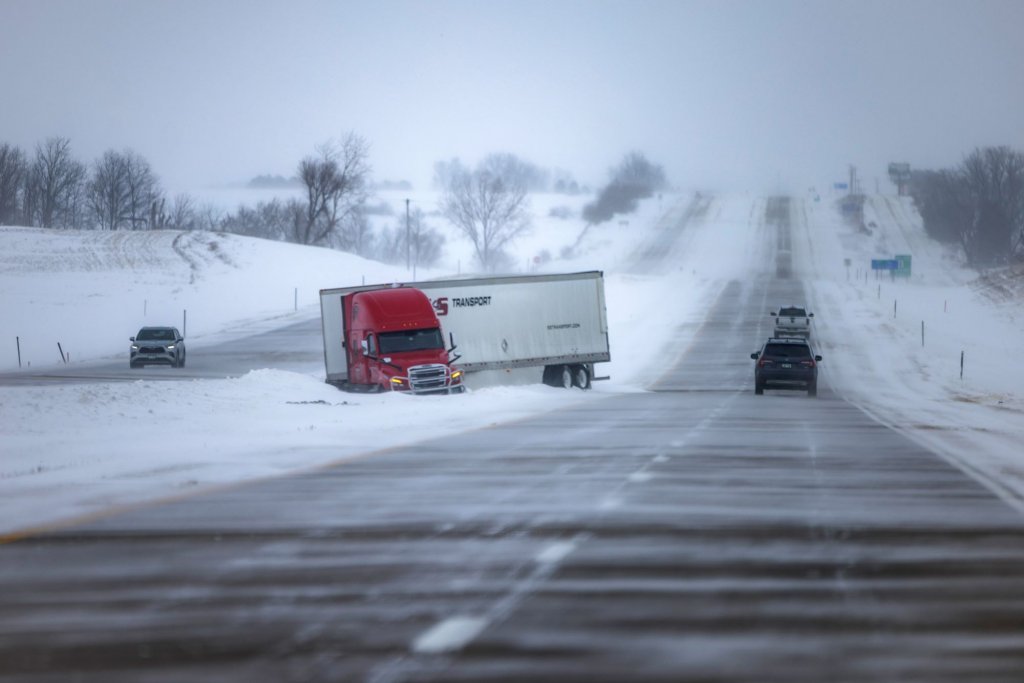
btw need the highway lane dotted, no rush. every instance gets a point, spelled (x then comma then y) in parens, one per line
(693, 532)
(295, 347)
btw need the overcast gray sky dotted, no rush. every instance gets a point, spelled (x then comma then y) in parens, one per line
(752, 94)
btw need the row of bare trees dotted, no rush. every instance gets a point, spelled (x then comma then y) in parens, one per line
(979, 205)
(52, 189)
(120, 191)
(488, 204)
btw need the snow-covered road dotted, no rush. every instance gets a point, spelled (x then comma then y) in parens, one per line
(689, 531)
(75, 450)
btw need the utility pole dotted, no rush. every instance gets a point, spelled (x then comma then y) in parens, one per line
(407, 263)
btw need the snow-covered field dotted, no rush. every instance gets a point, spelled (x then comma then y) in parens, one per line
(71, 451)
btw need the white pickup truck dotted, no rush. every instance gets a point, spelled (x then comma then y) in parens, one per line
(792, 321)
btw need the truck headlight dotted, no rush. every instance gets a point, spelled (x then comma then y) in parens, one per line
(456, 375)
(171, 347)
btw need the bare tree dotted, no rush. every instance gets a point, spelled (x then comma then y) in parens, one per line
(425, 243)
(336, 187)
(355, 234)
(13, 169)
(182, 214)
(107, 191)
(444, 171)
(515, 171)
(994, 178)
(636, 171)
(268, 220)
(943, 202)
(210, 217)
(143, 193)
(124, 193)
(489, 210)
(56, 180)
(980, 204)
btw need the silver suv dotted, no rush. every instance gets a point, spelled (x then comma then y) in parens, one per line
(163, 345)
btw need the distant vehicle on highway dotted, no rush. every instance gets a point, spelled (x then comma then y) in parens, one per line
(157, 345)
(786, 363)
(792, 321)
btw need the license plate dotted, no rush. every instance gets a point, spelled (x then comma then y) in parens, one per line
(786, 365)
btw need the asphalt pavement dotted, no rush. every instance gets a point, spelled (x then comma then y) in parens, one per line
(693, 532)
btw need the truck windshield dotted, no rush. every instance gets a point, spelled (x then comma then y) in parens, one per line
(410, 340)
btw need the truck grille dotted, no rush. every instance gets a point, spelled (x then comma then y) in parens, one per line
(425, 378)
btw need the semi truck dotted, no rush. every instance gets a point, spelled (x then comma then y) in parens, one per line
(556, 323)
(385, 339)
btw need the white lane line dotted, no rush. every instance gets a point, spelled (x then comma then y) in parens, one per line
(640, 477)
(451, 634)
(556, 552)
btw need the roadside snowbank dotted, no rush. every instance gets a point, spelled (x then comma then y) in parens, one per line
(893, 346)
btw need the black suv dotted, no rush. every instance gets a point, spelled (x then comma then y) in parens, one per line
(787, 363)
(157, 345)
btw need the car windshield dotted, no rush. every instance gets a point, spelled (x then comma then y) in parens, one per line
(156, 334)
(793, 312)
(787, 351)
(411, 340)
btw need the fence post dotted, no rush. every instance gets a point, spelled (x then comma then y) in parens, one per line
(184, 322)
(961, 365)
(17, 341)
(62, 356)
(296, 299)
(922, 334)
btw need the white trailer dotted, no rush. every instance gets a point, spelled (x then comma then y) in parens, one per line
(556, 322)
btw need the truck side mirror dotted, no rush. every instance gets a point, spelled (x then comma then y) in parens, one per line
(131, 338)
(365, 347)
(772, 314)
(810, 315)
(754, 355)
(817, 358)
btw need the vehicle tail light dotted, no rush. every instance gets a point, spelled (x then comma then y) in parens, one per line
(764, 361)
(809, 363)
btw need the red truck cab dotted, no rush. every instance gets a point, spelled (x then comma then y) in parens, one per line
(393, 342)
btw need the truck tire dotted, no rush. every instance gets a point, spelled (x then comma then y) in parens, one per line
(812, 388)
(566, 377)
(581, 377)
(758, 388)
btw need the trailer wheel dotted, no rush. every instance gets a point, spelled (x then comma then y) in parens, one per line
(566, 377)
(581, 377)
